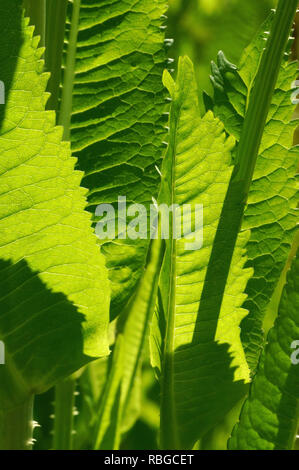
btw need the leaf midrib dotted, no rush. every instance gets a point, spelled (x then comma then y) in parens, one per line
(168, 393)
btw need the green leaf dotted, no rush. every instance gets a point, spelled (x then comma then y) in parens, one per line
(269, 418)
(157, 335)
(203, 362)
(54, 291)
(109, 415)
(121, 396)
(90, 386)
(117, 123)
(273, 197)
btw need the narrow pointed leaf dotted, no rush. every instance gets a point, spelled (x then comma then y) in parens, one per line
(121, 396)
(203, 363)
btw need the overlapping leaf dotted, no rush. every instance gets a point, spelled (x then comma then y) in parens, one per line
(203, 366)
(90, 386)
(117, 127)
(269, 418)
(54, 292)
(271, 214)
(121, 396)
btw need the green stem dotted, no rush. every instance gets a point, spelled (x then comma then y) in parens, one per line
(55, 33)
(233, 207)
(69, 74)
(296, 443)
(36, 10)
(262, 93)
(109, 413)
(64, 414)
(252, 132)
(16, 426)
(169, 440)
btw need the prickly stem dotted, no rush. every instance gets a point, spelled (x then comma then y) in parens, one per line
(65, 411)
(16, 426)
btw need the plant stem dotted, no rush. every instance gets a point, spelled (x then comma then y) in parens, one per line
(36, 10)
(65, 390)
(235, 202)
(296, 443)
(252, 132)
(169, 440)
(64, 414)
(262, 93)
(109, 413)
(16, 426)
(68, 79)
(55, 32)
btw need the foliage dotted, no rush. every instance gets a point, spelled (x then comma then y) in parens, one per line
(269, 418)
(54, 286)
(197, 342)
(271, 213)
(201, 28)
(189, 305)
(117, 125)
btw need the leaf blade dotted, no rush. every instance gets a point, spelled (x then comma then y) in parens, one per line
(271, 211)
(197, 170)
(54, 286)
(269, 417)
(118, 126)
(123, 388)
